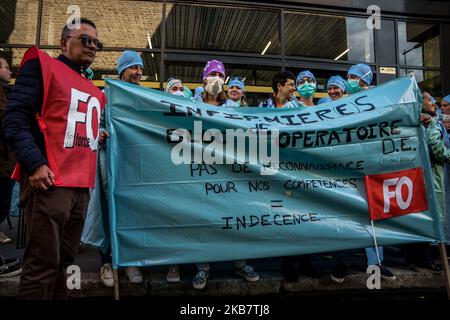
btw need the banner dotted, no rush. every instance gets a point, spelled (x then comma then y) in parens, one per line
(169, 202)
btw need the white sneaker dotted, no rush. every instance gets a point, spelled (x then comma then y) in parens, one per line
(4, 239)
(173, 275)
(134, 275)
(107, 276)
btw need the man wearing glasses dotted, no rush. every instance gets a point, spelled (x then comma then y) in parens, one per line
(283, 85)
(52, 124)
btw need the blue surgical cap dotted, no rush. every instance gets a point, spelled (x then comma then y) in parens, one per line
(363, 71)
(323, 100)
(128, 59)
(236, 82)
(446, 98)
(337, 81)
(305, 73)
(171, 82)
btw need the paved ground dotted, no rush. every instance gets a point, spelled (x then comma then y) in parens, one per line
(223, 281)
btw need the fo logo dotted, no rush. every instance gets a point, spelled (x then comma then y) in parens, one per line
(396, 194)
(89, 119)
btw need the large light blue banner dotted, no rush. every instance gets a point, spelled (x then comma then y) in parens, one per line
(314, 200)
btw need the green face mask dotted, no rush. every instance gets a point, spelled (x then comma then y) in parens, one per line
(306, 90)
(353, 86)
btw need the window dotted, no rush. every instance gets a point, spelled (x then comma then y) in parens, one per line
(18, 21)
(132, 24)
(419, 44)
(197, 27)
(329, 37)
(430, 81)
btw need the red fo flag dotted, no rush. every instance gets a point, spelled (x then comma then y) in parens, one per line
(396, 194)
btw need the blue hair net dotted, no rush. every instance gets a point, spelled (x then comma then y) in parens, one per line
(236, 82)
(337, 81)
(446, 98)
(128, 59)
(305, 73)
(363, 71)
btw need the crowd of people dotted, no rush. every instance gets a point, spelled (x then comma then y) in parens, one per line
(55, 196)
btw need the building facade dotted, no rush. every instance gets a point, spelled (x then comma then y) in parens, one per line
(254, 39)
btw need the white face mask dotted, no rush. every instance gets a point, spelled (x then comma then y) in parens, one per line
(178, 93)
(214, 85)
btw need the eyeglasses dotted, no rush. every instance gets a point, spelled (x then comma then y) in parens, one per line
(291, 84)
(302, 81)
(87, 41)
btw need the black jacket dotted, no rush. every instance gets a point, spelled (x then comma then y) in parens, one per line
(20, 126)
(7, 160)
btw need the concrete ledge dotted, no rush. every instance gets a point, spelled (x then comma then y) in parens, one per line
(270, 284)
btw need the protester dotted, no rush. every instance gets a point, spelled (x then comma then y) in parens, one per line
(359, 77)
(213, 76)
(283, 86)
(9, 267)
(306, 86)
(418, 255)
(55, 174)
(175, 87)
(445, 104)
(213, 80)
(7, 159)
(336, 87)
(129, 69)
(236, 93)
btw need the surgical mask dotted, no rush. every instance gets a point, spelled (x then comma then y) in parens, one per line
(214, 85)
(179, 93)
(306, 90)
(353, 86)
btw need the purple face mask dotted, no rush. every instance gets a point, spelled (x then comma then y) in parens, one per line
(213, 66)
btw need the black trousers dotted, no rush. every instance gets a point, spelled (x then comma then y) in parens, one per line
(6, 189)
(55, 221)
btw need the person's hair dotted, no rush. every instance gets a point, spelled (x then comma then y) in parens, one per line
(244, 102)
(281, 78)
(66, 30)
(221, 98)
